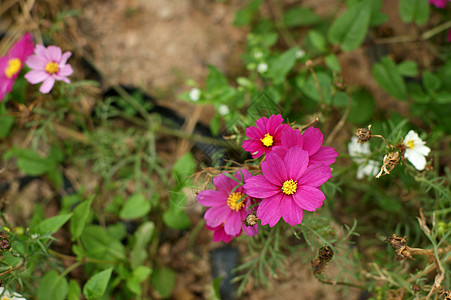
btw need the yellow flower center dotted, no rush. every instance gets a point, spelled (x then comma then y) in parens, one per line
(233, 203)
(289, 187)
(267, 140)
(52, 68)
(13, 67)
(410, 144)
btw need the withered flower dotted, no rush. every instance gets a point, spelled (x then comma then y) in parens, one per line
(390, 161)
(325, 255)
(364, 134)
(446, 295)
(250, 220)
(399, 244)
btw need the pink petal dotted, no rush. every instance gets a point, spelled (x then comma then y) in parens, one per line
(64, 58)
(66, 70)
(211, 198)
(315, 175)
(220, 235)
(313, 138)
(255, 147)
(215, 216)
(280, 151)
(325, 155)
(296, 161)
(273, 122)
(250, 230)
(242, 175)
(292, 137)
(36, 62)
(232, 224)
(258, 187)
(261, 125)
(55, 53)
(40, 50)
(35, 76)
(308, 198)
(47, 85)
(61, 78)
(291, 212)
(224, 184)
(274, 170)
(254, 133)
(269, 210)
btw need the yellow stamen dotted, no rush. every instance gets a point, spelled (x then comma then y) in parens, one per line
(52, 68)
(267, 140)
(410, 144)
(13, 67)
(289, 187)
(233, 203)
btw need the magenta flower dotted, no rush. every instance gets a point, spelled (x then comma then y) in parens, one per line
(265, 136)
(310, 141)
(219, 234)
(228, 204)
(288, 186)
(438, 3)
(48, 64)
(13, 63)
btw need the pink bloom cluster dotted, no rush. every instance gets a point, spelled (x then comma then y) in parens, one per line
(294, 167)
(47, 65)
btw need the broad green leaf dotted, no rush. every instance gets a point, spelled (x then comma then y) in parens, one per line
(245, 15)
(431, 81)
(78, 222)
(99, 244)
(300, 16)
(56, 154)
(350, 29)
(332, 62)
(6, 122)
(51, 225)
(135, 207)
(281, 65)
(417, 93)
(408, 68)
(414, 11)
(362, 107)
(317, 40)
(163, 280)
(139, 274)
(176, 218)
(142, 237)
(310, 88)
(74, 292)
(97, 284)
(387, 75)
(52, 286)
(30, 162)
(183, 168)
(216, 80)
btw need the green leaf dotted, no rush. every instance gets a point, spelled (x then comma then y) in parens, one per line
(99, 244)
(414, 11)
(318, 40)
(176, 218)
(163, 280)
(300, 16)
(137, 206)
(408, 68)
(51, 225)
(431, 82)
(74, 292)
(78, 222)
(216, 286)
(332, 62)
(417, 93)
(97, 284)
(350, 29)
(139, 274)
(362, 107)
(282, 64)
(216, 80)
(142, 237)
(387, 75)
(6, 122)
(183, 168)
(30, 162)
(310, 87)
(52, 286)
(244, 16)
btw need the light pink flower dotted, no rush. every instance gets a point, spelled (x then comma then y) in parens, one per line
(13, 62)
(48, 64)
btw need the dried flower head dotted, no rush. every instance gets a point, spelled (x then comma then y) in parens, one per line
(446, 295)
(390, 161)
(325, 255)
(399, 244)
(5, 244)
(250, 220)
(364, 134)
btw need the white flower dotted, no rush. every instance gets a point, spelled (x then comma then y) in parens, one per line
(300, 53)
(416, 150)
(258, 54)
(223, 110)
(194, 94)
(7, 296)
(262, 67)
(34, 235)
(358, 153)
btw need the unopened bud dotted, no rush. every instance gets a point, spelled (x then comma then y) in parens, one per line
(250, 220)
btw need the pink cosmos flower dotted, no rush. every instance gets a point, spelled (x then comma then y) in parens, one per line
(288, 186)
(265, 136)
(13, 62)
(310, 141)
(48, 64)
(219, 234)
(438, 3)
(228, 204)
